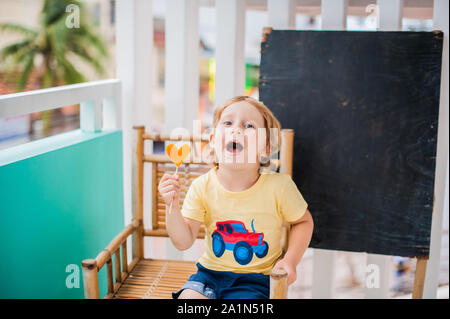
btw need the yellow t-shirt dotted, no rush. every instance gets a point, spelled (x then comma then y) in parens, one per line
(243, 229)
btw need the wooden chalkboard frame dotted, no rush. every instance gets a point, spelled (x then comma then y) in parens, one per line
(273, 72)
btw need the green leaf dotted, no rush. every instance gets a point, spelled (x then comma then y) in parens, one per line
(14, 48)
(14, 27)
(25, 76)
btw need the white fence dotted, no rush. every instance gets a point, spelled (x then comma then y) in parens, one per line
(99, 103)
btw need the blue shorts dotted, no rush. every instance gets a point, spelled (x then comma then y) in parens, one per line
(227, 285)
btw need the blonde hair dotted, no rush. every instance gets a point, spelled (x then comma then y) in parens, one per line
(270, 122)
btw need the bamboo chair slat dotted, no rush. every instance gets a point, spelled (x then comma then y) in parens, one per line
(163, 233)
(164, 159)
(110, 276)
(152, 278)
(167, 137)
(187, 174)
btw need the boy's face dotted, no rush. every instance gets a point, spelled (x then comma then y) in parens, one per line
(240, 136)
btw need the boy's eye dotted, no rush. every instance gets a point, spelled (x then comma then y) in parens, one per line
(226, 123)
(248, 125)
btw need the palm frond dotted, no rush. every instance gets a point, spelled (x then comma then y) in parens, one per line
(70, 74)
(86, 56)
(25, 76)
(57, 38)
(85, 34)
(14, 27)
(13, 57)
(53, 10)
(14, 49)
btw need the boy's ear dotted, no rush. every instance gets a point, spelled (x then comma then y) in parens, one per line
(211, 139)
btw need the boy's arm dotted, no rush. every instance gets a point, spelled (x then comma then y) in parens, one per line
(299, 239)
(182, 231)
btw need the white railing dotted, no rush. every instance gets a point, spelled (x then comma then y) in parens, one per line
(99, 103)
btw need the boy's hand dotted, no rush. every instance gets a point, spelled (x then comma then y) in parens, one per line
(290, 269)
(169, 187)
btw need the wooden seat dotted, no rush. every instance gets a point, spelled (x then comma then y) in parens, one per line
(155, 279)
(151, 278)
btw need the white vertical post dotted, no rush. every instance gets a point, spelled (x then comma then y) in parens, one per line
(334, 17)
(378, 276)
(440, 22)
(281, 14)
(91, 116)
(134, 34)
(125, 61)
(324, 268)
(230, 50)
(389, 17)
(334, 14)
(182, 55)
(181, 74)
(390, 14)
(111, 111)
(143, 47)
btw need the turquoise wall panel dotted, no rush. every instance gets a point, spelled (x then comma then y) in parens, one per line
(58, 206)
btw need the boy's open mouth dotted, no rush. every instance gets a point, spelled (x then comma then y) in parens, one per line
(234, 147)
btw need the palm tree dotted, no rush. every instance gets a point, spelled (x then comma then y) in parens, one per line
(50, 49)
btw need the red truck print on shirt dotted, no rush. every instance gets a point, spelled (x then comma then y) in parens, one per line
(232, 235)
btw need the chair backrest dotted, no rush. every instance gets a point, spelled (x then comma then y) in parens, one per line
(187, 173)
(191, 168)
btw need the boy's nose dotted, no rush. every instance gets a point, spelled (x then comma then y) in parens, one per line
(236, 130)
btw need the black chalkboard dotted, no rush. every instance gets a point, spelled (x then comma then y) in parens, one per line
(364, 107)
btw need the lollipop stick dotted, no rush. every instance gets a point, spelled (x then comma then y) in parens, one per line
(170, 207)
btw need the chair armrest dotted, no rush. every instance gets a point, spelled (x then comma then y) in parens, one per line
(91, 267)
(278, 284)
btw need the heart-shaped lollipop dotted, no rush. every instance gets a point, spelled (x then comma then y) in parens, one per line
(177, 155)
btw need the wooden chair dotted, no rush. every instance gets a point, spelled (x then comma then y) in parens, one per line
(150, 278)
